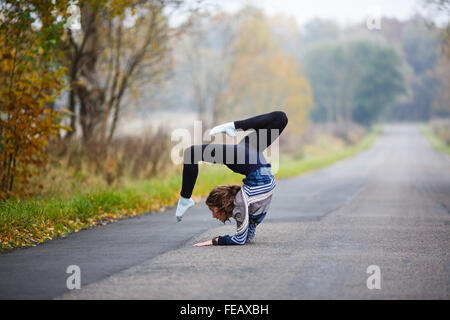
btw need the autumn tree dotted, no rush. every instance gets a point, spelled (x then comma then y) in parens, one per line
(347, 82)
(206, 55)
(30, 78)
(263, 75)
(442, 7)
(441, 105)
(419, 42)
(121, 45)
(237, 67)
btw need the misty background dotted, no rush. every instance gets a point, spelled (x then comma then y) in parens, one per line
(396, 71)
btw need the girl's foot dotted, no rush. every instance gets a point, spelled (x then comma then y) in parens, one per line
(183, 205)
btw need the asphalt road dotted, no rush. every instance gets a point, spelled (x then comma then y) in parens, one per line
(389, 206)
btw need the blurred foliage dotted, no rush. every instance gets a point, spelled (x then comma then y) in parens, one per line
(40, 51)
(238, 68)
(441, 127)
(440, 103)
(420, 44)
(347, 81)
(442, 6)
(120, 46)
(263, 76)
(144, 157)
(437, 133)
(30, 78)
(421, 62)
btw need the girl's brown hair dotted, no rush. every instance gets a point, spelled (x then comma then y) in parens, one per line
(222, 197)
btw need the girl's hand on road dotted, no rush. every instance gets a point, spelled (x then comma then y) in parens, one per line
(203, 244)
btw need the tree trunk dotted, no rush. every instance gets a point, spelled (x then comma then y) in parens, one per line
(88, 89)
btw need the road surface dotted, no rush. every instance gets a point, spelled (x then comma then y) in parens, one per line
(387, 207)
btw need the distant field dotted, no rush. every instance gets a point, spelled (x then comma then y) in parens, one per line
(152, 121)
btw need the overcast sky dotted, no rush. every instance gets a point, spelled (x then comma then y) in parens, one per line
(343, 11)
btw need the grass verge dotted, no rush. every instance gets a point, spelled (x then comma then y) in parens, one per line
(437, 143)
(33, 221)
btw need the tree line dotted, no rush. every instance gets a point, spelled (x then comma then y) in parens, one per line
(62, 83)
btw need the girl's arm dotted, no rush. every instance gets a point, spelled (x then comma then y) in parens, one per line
(240, 213)
(204, 244)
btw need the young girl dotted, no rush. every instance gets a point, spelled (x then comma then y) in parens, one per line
(247, 204)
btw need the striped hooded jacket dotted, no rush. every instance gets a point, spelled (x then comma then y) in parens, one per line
(251, 205)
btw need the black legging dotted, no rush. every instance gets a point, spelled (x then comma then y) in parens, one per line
(244, 157)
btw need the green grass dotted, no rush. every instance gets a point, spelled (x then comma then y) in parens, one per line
(437, 143)
(32, 221)
(292, 167)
